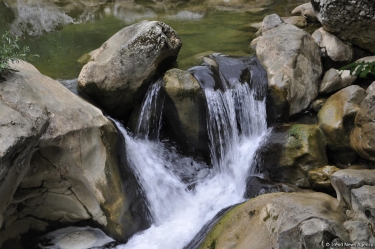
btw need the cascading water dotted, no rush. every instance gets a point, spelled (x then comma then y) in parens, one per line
(236, 124)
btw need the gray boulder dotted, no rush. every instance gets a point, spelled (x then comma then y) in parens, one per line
(292, 60)
(334, 80)
(332, 47)
(352, 21)
(120, 71)
(58, 161)
(282, 220)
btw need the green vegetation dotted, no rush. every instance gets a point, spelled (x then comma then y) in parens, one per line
(360, 69)
(11, 52)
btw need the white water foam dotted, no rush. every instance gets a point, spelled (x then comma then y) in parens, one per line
(179, 211)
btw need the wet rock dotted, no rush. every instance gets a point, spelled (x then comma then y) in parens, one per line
(362, 138)
(292, 61)
(319, 178)
(186, 107)
(295, 151)
(120, 71)
(58, 161)
(334, 80)
(352, 21)
(336, 120)
(332, 47)
(344, 181)
(307, 11)
(258, 186)
(282, 220)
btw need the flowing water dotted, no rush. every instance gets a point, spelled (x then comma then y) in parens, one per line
(180, 208)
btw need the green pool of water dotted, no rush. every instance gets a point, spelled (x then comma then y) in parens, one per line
(62, 33)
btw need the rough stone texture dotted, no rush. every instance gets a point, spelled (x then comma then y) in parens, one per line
(119, 72)
(319, 178)
(307, 11)
(292, 60)
(345, 180)
(336, 120)
(370, 88)
(363, 200)
(281, 220)
(352, 21)
(58, 160)
(185, 102)
(295, 151)
(362, 138)
(333, 47)
(359, 232)
(334, 80)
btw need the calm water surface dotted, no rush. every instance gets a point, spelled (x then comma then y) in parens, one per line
(62, 32)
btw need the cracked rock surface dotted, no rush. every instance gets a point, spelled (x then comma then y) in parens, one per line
(58, 161)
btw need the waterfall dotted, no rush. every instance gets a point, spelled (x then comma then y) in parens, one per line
(180, 207)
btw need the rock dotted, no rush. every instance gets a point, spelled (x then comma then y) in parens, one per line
(370, 88)
(363, 200)
(333, 47)
(334, 80)
(344, 181)
(359, 232)
(186, 105)
(293, 64)
(282, 220)
(362, 138)
(258, 186)
(336, 120)
(58, 161)
(352, 21)
(319, 178)
(318, 104)
(307, 11)
(298, 21)
(120, 71)
(295, 151)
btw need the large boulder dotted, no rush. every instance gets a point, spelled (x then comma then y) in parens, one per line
(292, 60)
(58, 161)
(186, 105)
(332, 47)
(362, 138)
(336, 120)
(295, 151)
(280, 220)
(352, 21)
(120, 71)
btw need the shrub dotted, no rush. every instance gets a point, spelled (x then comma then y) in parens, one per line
(361, 69)
(11, 52)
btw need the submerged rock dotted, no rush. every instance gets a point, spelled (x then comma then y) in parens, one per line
(120, 71)
(280, 220)
(352, 21)
(292, 61)
(58, 161)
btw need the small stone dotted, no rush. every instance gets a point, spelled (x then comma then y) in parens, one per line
(77, 240)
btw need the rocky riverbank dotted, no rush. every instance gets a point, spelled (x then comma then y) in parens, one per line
(61, 162)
